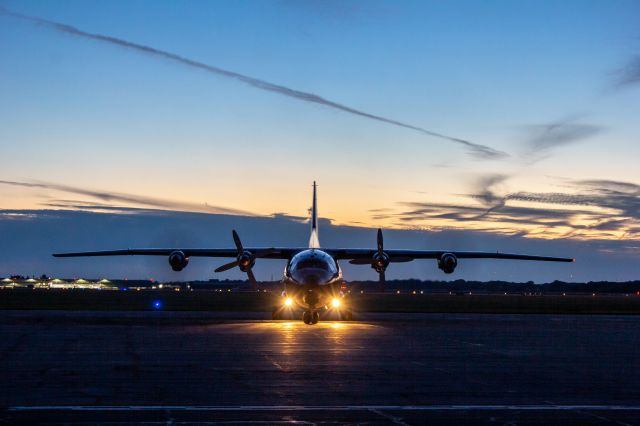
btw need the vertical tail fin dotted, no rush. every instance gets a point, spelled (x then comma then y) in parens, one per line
(314, 242)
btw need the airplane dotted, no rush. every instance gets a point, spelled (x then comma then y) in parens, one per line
(312, 276)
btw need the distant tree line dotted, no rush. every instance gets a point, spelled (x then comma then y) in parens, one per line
(457, 286)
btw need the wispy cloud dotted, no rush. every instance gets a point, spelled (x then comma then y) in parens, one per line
(629, 75)
(474, 149)
(541, 140)
(623, 197)
(119, 197)
(486, 192)
(345, 10)
(598, 209)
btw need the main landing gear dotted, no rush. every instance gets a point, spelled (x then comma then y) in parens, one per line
(313, 317)
(310, 317)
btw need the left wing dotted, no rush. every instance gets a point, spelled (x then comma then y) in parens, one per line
(447, 260)
(364, 256)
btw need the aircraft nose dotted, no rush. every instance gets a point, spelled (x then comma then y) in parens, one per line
(311, 279)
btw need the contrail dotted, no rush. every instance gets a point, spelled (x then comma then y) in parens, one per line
(476, 150)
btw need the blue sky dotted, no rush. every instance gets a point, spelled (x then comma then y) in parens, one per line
(537, 80)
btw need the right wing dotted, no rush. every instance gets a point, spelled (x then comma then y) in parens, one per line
(267, 253)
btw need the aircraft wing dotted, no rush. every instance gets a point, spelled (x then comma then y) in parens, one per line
(363, 256)
(354, 255)
(259, 252)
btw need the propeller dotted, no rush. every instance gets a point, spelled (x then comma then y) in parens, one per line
(380, 261)
(244, 260)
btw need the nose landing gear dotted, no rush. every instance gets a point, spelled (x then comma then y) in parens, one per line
(310, 317)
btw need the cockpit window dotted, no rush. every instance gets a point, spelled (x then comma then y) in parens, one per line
(313, 263)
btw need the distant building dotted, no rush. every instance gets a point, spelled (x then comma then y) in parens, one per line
(46, 283)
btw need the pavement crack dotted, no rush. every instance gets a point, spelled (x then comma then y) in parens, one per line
(604, 419)
(395, 420)
(594, 415)
(274, 363)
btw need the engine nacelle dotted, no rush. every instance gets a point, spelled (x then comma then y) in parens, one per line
(380, 262)
(246, 261)
(448, 263)
(178, 260)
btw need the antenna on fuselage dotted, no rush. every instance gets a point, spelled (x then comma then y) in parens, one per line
(314, 242)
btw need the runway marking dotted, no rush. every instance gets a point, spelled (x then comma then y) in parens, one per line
(326, 408)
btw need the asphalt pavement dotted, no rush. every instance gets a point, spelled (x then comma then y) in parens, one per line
(237, 368)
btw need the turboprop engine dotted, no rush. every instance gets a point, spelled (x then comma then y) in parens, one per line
(448, 263)
(178, 260)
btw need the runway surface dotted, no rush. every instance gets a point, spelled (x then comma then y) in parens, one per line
(160, 367)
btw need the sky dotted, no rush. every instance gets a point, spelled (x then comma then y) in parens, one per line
(501, 119)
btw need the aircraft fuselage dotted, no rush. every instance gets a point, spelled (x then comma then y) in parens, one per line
(311, 278)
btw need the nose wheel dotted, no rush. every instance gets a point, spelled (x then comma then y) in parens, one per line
(310, 317)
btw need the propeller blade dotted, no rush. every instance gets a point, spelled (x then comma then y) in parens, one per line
(252, 279)
(382, 280)
(226, 266)
(236, 239)
(401, 259)
(380, 242)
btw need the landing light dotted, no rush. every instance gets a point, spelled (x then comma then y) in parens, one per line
(288, 301)
(335, 303)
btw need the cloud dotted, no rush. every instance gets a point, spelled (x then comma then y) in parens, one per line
(486, 192)
(595, 209)
(612, 185)
(345, 10)
(127, 198)
(542, 139)
(629, 75)
(607, 194)
(512, 214)
(476, 150)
